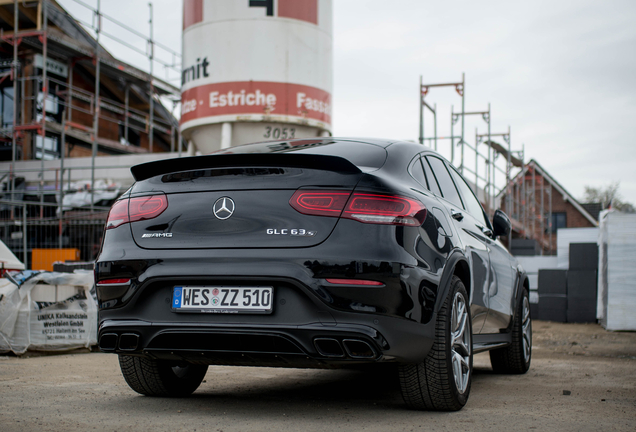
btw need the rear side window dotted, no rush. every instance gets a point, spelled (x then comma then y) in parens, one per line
(417, 172)
(449, 192)
(433, 186)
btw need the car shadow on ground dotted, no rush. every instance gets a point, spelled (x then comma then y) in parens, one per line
(293, 392)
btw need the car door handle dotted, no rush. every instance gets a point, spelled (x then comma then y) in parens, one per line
(486, 231)
(456, 215)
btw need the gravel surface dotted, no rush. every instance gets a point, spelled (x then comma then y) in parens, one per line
(582, 378)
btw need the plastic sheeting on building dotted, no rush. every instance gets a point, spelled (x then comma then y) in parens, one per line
(47, 311)
(617, 272)
(8, 261)
(79, 194)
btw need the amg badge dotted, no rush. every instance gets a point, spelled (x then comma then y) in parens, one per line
(163, 235)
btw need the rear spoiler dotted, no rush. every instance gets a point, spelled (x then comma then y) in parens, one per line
(277, 160)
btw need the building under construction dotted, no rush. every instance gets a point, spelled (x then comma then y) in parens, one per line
(535, 202)
(64, 101)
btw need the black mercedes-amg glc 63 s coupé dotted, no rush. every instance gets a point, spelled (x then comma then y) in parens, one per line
(317, 253)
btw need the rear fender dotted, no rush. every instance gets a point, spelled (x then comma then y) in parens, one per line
(456, 263)
(522, 284)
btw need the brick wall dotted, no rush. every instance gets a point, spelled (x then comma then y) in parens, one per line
(529, 209)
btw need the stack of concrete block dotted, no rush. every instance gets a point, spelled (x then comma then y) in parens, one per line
(553, 298)
(582, 282)
(525, 247)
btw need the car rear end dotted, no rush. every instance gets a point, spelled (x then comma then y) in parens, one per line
(266, 258)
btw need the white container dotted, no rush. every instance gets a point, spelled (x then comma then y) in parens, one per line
(31, 318)
(255, 72)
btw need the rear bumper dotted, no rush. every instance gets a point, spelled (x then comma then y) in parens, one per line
(311, 345)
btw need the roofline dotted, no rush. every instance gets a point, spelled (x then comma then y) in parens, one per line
(558, 187)
(157, 82)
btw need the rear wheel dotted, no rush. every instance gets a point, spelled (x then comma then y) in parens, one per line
(515, 358)
(161, 378)
(442, 381)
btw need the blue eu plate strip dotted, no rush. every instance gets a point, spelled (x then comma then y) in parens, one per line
(176, 298)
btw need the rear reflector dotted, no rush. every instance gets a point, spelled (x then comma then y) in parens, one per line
(136, 209)
(114, 282)
(354, 282)
(363, 207)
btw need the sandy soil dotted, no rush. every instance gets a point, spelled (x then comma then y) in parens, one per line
(85, 391)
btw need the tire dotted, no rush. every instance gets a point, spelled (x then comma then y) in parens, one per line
(515, 358)
(442, 381)
(161, 378)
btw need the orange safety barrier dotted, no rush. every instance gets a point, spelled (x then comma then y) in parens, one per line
(43, 259)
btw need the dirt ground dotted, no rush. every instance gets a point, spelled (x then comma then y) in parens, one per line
(582, 378)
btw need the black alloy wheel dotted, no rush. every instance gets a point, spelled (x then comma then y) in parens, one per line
(161, 378)
(442, 381)
(515, 358)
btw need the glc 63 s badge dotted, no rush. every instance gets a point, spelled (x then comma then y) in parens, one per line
(296, 232)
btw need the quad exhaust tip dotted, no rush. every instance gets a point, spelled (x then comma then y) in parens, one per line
(108, 342)
(124, 342)
(358, 349)
(128, 342)
(328, 347)
(354, 348)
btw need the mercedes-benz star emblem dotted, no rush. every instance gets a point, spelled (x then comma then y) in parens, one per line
(223, 208)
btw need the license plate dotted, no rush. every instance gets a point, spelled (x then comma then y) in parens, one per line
(222, 299)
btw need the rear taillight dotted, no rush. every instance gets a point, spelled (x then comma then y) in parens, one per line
(385, 209)
(354, 282)
(362, 207)
(319, 203)
(136, 209)
(118, 214)
(148, 207)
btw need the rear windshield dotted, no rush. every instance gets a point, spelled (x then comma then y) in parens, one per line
(362, 155)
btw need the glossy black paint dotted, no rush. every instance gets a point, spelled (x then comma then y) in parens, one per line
(414, 264)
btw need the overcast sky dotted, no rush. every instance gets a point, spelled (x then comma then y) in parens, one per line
(561, 74)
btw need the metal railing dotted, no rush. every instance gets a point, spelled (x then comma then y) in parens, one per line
(42, 238)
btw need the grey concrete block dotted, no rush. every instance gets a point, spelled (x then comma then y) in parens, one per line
(552, 282)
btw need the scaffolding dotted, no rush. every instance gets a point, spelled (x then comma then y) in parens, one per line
(527, 201)
(70, 97)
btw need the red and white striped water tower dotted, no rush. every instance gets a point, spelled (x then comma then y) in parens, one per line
(255, 70)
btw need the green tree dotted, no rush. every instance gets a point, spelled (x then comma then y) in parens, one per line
(606, 196)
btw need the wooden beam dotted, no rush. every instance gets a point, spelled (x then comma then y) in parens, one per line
(22, 31)
(10, 2)
(104, 81)
(6, 16)
(39, 17)
(89, 76)
(33, 14)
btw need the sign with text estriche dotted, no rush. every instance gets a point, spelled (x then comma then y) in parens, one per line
(253, 97)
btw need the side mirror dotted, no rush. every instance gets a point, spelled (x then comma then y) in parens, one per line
(501, 224)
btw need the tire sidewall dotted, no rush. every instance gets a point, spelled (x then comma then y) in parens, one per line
(519, 328)
(458, 286)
